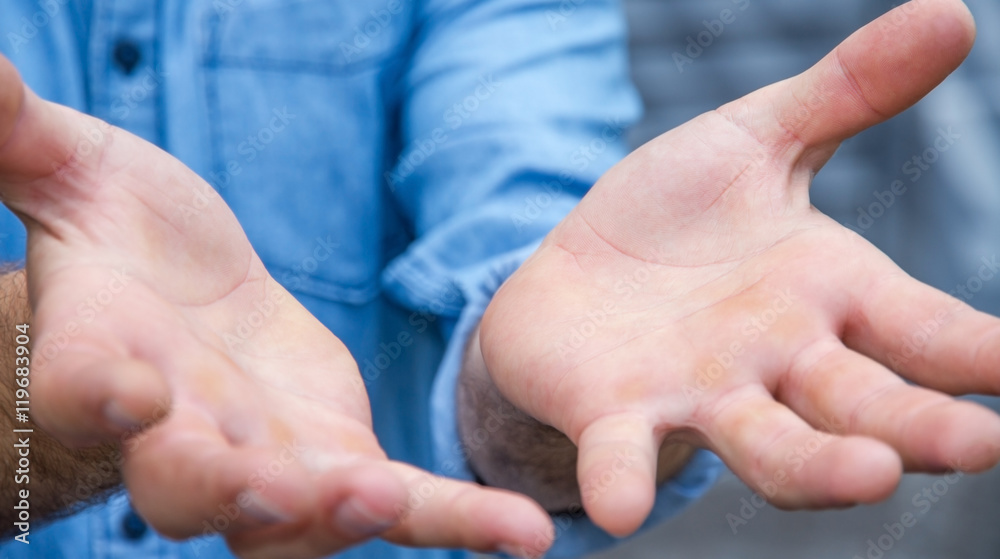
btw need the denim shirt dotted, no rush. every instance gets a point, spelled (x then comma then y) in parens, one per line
(391, 161)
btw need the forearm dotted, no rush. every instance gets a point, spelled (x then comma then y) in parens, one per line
(49, 477)
(509, 449)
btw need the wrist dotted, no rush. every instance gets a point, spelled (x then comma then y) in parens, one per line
(509, 449)
(673, 457)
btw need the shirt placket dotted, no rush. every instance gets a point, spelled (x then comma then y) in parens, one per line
(125, 85)
(120, 533)
(124, 68)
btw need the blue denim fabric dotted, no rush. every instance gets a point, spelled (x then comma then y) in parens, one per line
(391, 162)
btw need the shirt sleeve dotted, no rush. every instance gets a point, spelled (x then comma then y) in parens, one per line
(511, 110)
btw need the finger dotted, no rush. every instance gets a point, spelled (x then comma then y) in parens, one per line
(876, 73)
(11, 98)
(616, 470)
(186, 479)
(38, 138)
(443, 512)
(841, 391)
(778, 454)
(927, 336)
(83, 398)
(429, 511)
(356, 502)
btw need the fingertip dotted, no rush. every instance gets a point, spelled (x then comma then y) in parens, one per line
(445, 512)
(365, 500)
(617, 473)
(967, 435)
(623, 512)
(520, 527)
(876, 73)
(916, 46)
(959, 23)
(529, 527)
(188, 481)
(854, 470)
(85, 400)
(138, 397)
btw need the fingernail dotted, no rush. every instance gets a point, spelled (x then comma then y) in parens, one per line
(260, 509)
(119, 417)
(355, 518)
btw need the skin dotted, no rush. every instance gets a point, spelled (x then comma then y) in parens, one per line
(511, 449)
(58, 476)
(696, 296)
(715, 212)
(137, 305)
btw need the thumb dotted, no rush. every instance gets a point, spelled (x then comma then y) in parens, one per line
(876, 73)
(39, 139)
(11, 98)
(616, 468)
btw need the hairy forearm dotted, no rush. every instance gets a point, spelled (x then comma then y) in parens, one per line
(509, 449)
(40, 475)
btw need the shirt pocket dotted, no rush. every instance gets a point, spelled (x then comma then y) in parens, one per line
(297, 114)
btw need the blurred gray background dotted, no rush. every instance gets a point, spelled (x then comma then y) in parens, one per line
(938, 230)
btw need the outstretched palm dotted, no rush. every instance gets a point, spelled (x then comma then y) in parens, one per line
(695, 294)
(147, 298)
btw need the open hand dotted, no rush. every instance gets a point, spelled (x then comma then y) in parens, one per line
(155, 322)
(696, 295)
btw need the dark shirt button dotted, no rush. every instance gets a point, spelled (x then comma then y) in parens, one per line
(133, 525)
(127, 55)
